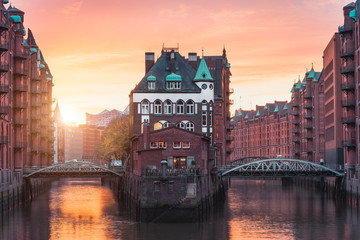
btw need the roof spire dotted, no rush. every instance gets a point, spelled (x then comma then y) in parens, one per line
(202, 53)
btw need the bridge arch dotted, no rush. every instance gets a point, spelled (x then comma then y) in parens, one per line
(73, 167)
(279, 167)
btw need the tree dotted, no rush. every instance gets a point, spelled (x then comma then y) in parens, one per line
(115, 140)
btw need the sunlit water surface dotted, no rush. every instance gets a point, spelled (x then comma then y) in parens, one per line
(83, 209)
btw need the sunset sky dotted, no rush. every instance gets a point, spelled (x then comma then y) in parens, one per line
(95, 49)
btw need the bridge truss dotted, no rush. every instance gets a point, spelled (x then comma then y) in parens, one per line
(278, 167)
(74, 168)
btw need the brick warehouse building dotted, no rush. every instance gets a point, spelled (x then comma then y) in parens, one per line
(191, 94)
(264, 132)
(26, 129)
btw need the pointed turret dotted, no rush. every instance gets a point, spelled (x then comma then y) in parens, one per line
(57, 113)
(31, 39)
(203, 73)
(311, 73)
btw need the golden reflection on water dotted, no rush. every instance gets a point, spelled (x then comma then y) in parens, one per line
(78, 211)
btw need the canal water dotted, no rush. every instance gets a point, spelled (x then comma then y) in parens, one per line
(84, 209)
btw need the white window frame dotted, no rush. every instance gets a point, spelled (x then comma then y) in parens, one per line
(180, 107)
(157, 107)
(177, 145)
(153, 145)
(151, 85)
(162, 145)
(190, 127)
(190, 107)
(168, 107)
(185, 145)
(145, 107)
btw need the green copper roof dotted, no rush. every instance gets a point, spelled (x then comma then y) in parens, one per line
(33, 50)
(311, 73)
(293, 89)
(228, 65)
(42, 66)
(298, 85)
(258, 113)
(47, 73)
(286, 107)
(247, 116)
(240, 113)
(341, 28)
(292, 95)
(203, 72)
(232, 120)
(265, 107)
(276, 108)
(16, 18)
(49, 79)
(151, 78)
(6, 1)
(173, 77)
(24, 32)
(352, 15)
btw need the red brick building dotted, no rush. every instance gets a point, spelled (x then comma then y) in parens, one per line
(264, 132)
(26, 129)
(91, 139)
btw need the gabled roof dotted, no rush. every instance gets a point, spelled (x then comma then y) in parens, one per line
(14, 9)
(31, 40)
(311, 73)
(163, 68)
(203, 73)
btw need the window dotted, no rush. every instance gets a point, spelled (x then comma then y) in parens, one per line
(190, 127)
(180, 162)
(162, 144)
(177, 145)
(153, 145)
(145, 107)
(181, 125)
(204, 119)
(180, 107)
(190, 107)
(186, 144)
(157, 107)
(168, 107)
(151, 85)
(204, 105)
(157, 126)
(173, 85)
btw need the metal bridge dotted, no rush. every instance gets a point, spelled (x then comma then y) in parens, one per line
(75, 168)
(277, 167)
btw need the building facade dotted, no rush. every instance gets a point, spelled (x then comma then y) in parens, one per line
(91, 139)
(104, 118)
(264, 132)
(190, 94)
(26, 129)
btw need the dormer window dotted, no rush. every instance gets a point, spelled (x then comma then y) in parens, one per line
(151, 82)
(173, 81)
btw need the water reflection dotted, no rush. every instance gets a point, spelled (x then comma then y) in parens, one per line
(84, 209)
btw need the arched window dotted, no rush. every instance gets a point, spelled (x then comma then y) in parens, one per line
(145, 107)
(157, 107)
(157, 126)
(190, 127)
(180, 107)
(190, 107)
(181, 125)
(168, 107)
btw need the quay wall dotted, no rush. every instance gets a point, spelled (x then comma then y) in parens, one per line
(15, 190)
(173, 198)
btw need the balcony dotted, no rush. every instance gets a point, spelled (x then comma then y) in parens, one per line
(4, 67)
(20, 104)
(35, 130)
(4, 89)
(348, 102)
(345, 29)
(4, 46)
(347, 52)
(3, 140)
(21, 72)
(20, 145)
(35, 90)
(21, 55)
(347, 69)
(35, 77)
(348, 120)
(308, 106)
(20, 121)
(349, 143)
(347, 86)
(4, 26)
(20, 87)
(4, 110)
(36, 149)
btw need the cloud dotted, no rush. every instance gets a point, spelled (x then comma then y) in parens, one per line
(71, 8)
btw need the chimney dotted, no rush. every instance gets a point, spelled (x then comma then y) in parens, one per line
(193, 59)
(146, 135)
(149, 61)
